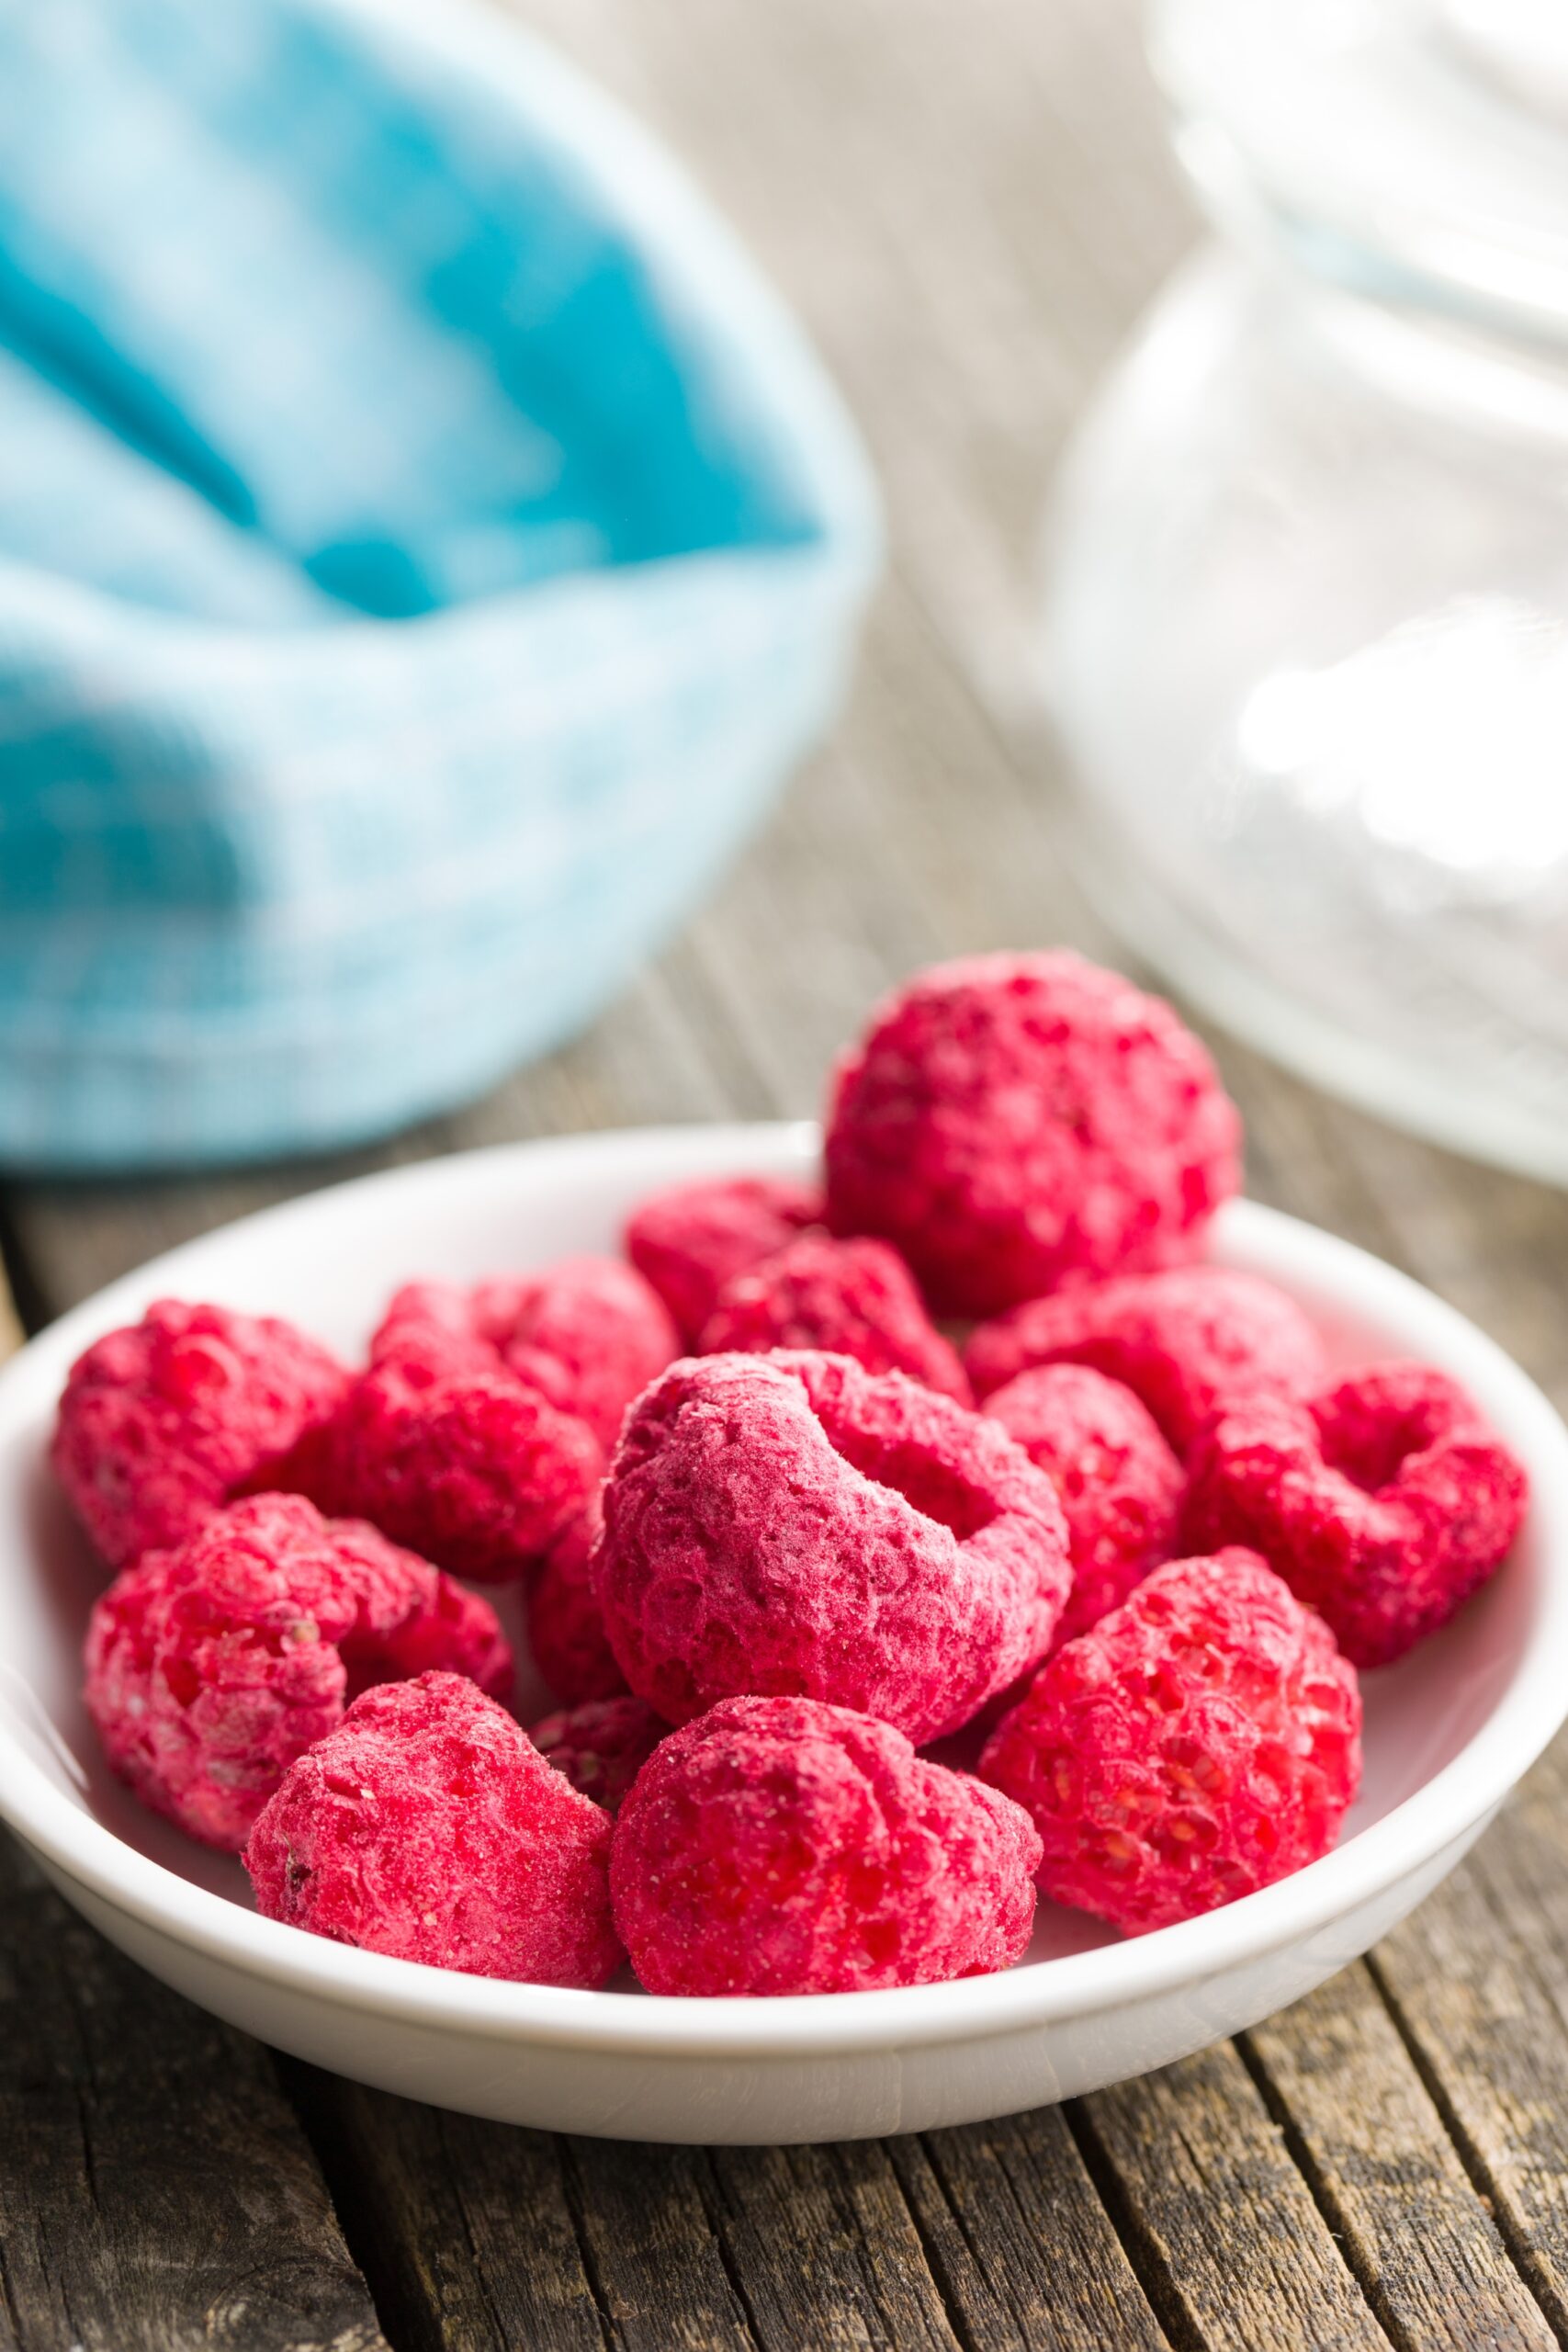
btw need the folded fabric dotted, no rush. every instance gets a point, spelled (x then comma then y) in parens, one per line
(424, 545)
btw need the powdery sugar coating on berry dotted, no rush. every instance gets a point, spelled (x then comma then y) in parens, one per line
(1383, 1501)
(1120, 1486)
(1184, 1341)
(587, 1333)
(777, 1845)
(565, 1625)
(601, 1746)
(428, 1826)
(851, 1298)
(1201, 1742)
(210, 1668)
(163, 1422)
(1017, 1123)
(691, 1239)
(472, 1469)
(792, 1524)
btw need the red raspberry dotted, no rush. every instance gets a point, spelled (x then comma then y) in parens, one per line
(851, 1298)
(471, 1468)
(432, 1325)
(1018, 1123)
(600, 1745)
(794, 1524)
(212, 1668)
(1184, 1341)
(428, 1826)
(779, 1846)
(565, 1625)
(589, 1334)
(163, 1422)
(1120, 1485)
(1383, 1501)
(1202, 1741)
(690, 1241)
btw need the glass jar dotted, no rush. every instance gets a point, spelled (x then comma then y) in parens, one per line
(1306, 595)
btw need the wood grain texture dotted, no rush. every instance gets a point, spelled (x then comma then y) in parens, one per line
(968, 200)
(439, 2208)
(156, 2191)
(1335, 2074)
(1238, 2256)
(1015, 2233)
(1477, 1983)
(826, 2250)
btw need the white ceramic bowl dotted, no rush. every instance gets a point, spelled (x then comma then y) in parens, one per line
(1448, 1732)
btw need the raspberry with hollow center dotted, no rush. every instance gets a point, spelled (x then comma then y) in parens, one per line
(1199, 1743)
(1121, 1487)
(587, 1333)
(689, 1240)
(211, 1666)
(848, 1298)
(472, 1469)
(600, 1745)
(1014, 1124)
(1184, 1341)
(1384, 1500)
(779, 1846)
(565, 1625)
(164, 1422)
(795, 1524)
(428, 1826)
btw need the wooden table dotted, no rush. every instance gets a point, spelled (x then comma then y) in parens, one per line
(968, 200)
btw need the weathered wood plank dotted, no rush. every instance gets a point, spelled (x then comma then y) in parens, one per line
(156, 2192)
(1478, 1984)
(825, 2249)
(465, 2229)
(650, 2244)
(1385, 2173)
(1221, 2216)
(1016, 2234)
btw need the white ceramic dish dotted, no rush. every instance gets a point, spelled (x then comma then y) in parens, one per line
(1448, 1732)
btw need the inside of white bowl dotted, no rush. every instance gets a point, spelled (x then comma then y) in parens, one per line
(330, 1262)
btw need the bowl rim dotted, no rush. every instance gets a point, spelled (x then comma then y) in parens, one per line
(79, 1848)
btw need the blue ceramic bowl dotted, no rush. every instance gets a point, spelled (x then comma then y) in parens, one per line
(425, 546)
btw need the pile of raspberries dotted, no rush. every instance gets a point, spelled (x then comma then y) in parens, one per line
(966, 1443)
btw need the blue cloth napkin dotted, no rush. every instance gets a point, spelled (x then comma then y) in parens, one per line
(424, 545)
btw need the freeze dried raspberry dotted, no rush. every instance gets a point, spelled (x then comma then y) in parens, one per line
(587, 1333)
(1121, 1487)
(1202, 1741)
(210, 1668)
(1383, 1501)
(474, 1469)
(689, 1242)
(1186, 1341)
(565, 1625)
(1018, 1123)
(428, 1826)
(850, 1299)
(161, 1422)
(601, 1746)
(794, 1524)
(779, 1846)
